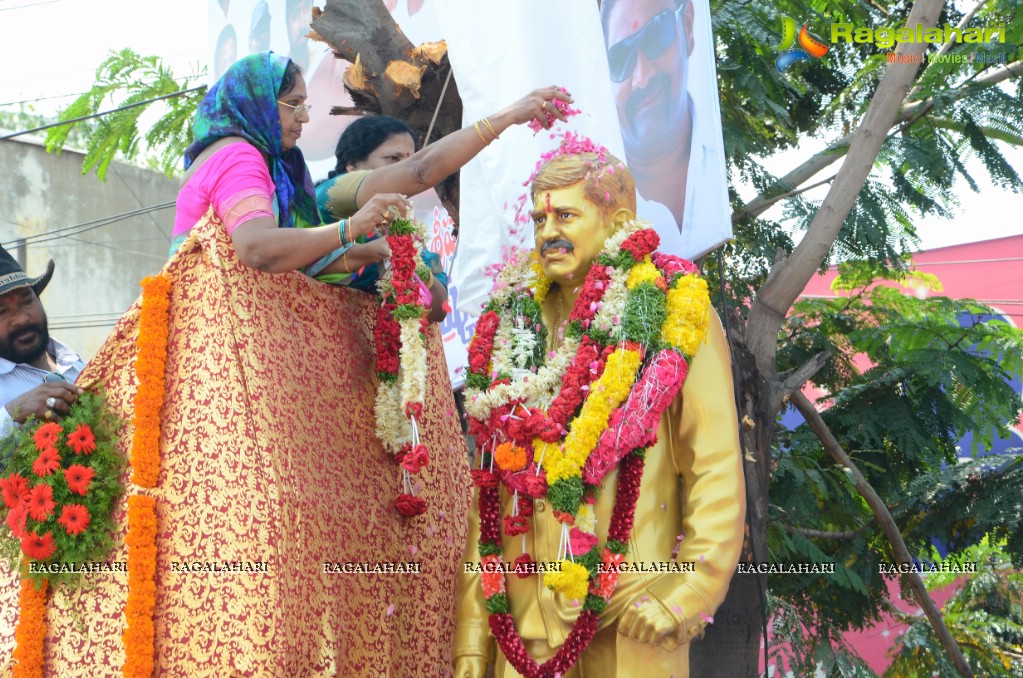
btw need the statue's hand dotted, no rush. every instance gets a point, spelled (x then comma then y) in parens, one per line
(470, 667)
(646, 621)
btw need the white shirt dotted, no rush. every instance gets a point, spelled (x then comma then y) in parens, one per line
(19, 378)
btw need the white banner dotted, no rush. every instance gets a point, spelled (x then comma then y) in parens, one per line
(659, 112)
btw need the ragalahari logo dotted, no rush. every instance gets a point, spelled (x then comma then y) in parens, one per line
(809, 46)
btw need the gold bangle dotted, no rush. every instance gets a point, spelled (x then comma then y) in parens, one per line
(491, 128)
(348, 228)
(344, 262)
(480, 133)
(429, 281)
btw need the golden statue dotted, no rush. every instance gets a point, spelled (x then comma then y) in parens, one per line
(550, 426)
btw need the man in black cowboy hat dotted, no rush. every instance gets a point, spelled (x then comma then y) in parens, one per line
(36, 372)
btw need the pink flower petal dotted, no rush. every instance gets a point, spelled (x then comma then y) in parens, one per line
(413, 549)
(390, 610)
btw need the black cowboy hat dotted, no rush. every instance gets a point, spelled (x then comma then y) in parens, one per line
(12, 276)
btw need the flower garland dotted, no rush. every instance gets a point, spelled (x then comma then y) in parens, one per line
(139, 635)
(149, 368)
(555, 424)
(31, 630)
(401, 361)
(61, 485)
(150, 362)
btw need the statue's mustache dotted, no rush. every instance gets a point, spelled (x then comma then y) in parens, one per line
(556, 243)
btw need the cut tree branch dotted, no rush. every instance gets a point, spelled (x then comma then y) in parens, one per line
(795, 381)
(887, 522)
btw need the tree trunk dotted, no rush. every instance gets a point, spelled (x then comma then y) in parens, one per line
(731, 647)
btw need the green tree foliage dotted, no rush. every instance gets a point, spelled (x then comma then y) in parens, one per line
(125, 81)
(985, 614)
(906, 380)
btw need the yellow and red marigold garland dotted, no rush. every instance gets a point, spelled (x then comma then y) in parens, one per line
(639, 316)
(150, 362)
(31, 630)
(401, 360)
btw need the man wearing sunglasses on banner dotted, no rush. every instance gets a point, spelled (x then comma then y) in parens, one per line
(649, 48)
(35, 371)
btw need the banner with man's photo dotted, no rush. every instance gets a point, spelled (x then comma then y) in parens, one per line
(641, 72)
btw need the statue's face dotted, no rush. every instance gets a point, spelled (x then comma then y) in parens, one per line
(569, 232)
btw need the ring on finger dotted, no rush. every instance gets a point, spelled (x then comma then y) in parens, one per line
(51, 402)
(48, 414)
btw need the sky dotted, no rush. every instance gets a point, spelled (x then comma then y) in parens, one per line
(51, 48)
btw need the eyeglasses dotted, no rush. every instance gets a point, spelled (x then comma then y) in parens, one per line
(654, 38)
(297, 110)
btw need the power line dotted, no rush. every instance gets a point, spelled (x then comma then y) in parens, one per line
(34, 4)
(102, 113)
(69, 231)
(32, 101)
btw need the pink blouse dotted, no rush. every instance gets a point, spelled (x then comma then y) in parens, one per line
(235, 181)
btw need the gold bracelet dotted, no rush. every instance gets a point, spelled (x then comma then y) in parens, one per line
(480, 133)
(341, 233)
(348, 228)
(344, 262)
(491, 128)
(429, 281)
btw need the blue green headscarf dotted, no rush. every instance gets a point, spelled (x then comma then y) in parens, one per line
(243, 103)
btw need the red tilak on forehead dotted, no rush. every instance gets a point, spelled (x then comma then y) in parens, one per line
(549, 209)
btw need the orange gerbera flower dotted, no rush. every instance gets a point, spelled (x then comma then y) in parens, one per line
(75, 518)
(81, 440)
(40, 502)
(47, 435)
(46, 463)
(16, 520)
(14, 488)
(38, 547)
(78, 478)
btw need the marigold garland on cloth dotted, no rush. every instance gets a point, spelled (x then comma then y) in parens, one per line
(401, 361)
(590, 406)
(150, 362)
(139, 633)
(31, 630)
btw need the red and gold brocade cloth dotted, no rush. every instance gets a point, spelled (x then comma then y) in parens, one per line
(270, 456)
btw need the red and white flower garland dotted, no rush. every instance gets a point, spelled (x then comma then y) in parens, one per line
(401, 364)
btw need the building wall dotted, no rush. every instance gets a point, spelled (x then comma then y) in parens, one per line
(99, 261)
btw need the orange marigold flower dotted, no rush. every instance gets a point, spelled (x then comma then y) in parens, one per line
(46, 463)
(38, 547)
(78, 478)
(40, 502)
(510, 457)
(47, 435)
(81, 440)
(75, 518)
